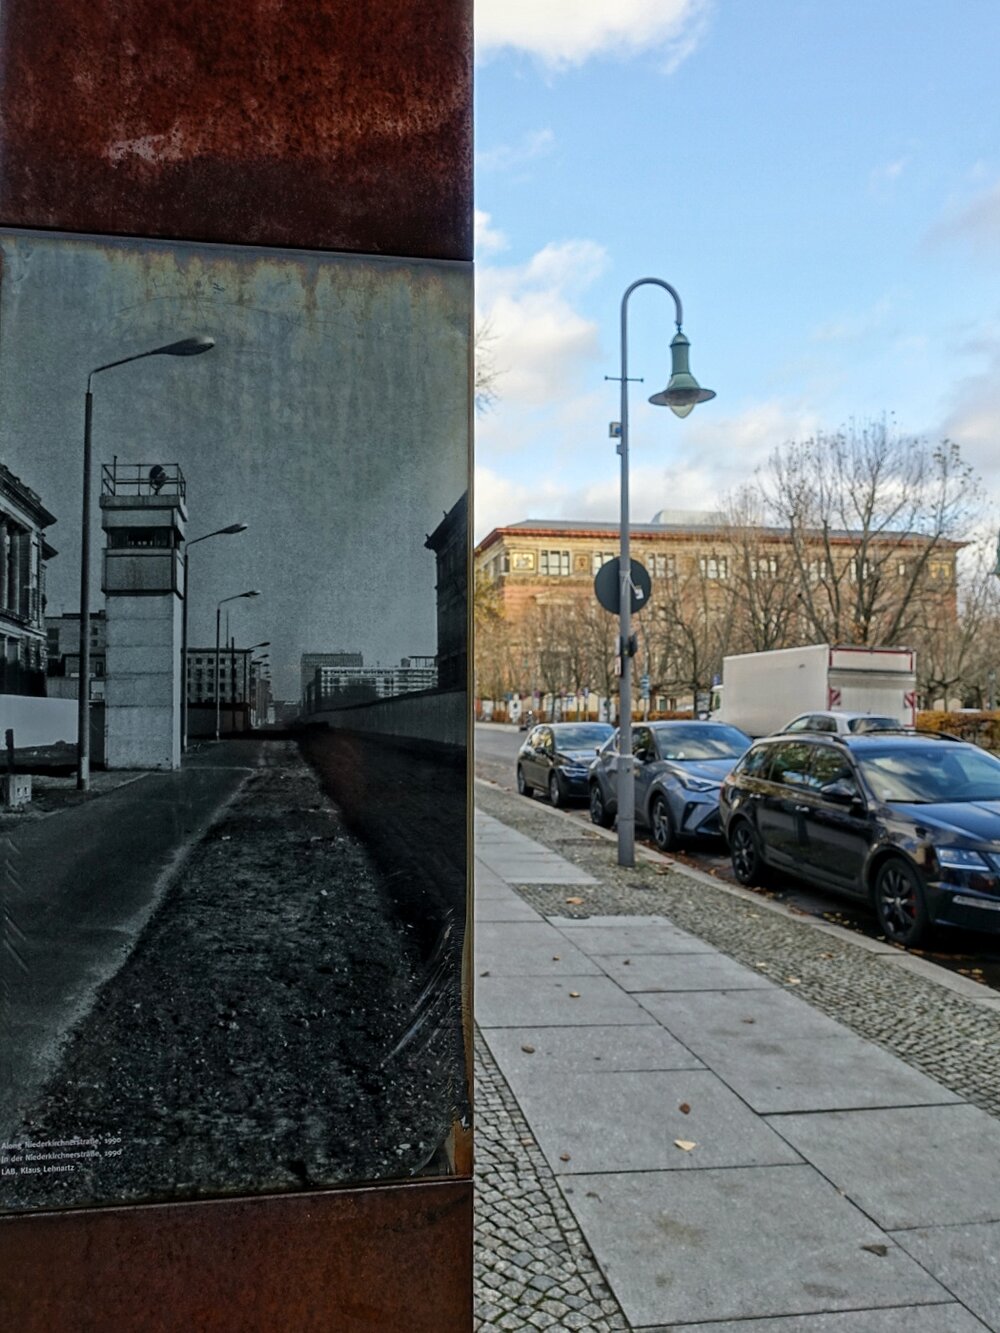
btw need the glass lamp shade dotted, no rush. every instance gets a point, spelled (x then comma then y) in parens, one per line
(683, 391)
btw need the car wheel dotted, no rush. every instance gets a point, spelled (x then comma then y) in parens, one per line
(662, 824)
(598, 810)
(900, 903)
(522, 783)
(556, 797)
(744, 849)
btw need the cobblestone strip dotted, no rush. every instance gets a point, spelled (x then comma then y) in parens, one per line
(931, 1028)
(533, 1269)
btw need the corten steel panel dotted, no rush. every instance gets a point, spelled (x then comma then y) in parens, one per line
(340, 124)
(392, 1260)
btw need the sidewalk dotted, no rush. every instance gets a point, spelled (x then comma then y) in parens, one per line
(728, 1156)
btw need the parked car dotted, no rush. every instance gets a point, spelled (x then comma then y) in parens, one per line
(833, 720)
(910, 822)
(555, 758)
(679, 769)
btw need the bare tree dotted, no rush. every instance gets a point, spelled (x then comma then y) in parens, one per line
(486, 372)
(765, 608)
(957, 655)
(871, 518)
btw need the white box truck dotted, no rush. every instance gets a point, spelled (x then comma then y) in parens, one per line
(762, 692)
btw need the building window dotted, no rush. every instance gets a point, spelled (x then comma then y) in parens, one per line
(818, 570)
(714, 566)
(862, 567)
(764, 567)
(599, 559)
(902, 569)
(554, 562)
(663, 566)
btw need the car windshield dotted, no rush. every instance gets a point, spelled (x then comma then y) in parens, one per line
(873, 724)
(583, 737)
(701, 740)
(933, 773)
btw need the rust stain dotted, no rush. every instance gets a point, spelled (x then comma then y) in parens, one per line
(390, 1260)
(343, 124)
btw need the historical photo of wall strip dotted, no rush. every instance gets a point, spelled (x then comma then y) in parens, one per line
(233, 900)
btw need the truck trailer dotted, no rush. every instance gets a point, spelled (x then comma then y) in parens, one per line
(762, 692)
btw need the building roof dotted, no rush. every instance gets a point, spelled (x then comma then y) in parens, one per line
(23, 495)
(716, 525)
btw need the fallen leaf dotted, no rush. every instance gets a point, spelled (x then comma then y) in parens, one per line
(484, 974)
(684, 1108)
(556, 957)
(879, 1249)
(574, 901)
(574, 995)
(626, 962)
(685, 1144)
(528, 1050)
(564, 1157)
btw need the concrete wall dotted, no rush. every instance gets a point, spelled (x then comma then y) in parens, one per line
(438, 716)
(38, 721)
(143, 689)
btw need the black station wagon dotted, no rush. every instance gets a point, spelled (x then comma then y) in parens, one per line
(909, 822)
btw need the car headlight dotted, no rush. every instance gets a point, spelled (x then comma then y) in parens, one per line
(967, 869)
(692, 783)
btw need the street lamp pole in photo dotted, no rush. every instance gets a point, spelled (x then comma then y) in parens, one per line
(681, 395)
(186, 347)
(218, 660)
(219, 532)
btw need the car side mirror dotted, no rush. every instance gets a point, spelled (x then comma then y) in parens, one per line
(841, 793)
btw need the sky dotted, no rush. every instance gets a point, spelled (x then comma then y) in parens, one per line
(819, 181)
(330, 417)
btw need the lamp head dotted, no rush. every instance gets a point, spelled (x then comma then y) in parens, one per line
(233, 528)
(186, 347)
(683, 391)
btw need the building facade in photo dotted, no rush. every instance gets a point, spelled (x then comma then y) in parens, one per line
(24, 551)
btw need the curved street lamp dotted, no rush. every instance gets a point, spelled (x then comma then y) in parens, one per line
(682, 394)
(228, 531)
(218, 661)
(186, 347)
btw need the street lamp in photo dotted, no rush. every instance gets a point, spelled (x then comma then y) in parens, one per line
(682, 394)
(186, 347)
(218, 660)
(229, 531)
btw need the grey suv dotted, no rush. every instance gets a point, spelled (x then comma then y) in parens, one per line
(679, 769)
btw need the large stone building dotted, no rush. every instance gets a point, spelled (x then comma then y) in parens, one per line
(62, 635)
(714, 590)
(23, 553)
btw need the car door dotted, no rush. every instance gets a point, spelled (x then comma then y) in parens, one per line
(835, 833)
(533, 760)
(646, 766)
(778, 812)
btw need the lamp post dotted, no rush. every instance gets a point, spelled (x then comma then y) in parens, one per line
(218, 624)
(219, 532)
(681, 395)
(186, 347)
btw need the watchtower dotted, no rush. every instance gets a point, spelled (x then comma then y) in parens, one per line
(143, 514)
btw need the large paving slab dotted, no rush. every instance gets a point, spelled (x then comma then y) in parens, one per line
(510, 908)
(679, 972)
(520, 860)
(517, 1002)
(781, 1055)
(528, 949)
(597, 1122)
(489, 884)
(686, 1246)
(910, 1319)
(573, 1050)
(966, 1259)
(912, 1166)
(629, 935)
(759, 1241)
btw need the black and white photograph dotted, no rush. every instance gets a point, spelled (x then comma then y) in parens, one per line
(233, 705)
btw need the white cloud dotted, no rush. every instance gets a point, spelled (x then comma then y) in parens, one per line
(539, 341)
(975, 223)
(569, 32)
(886, 174)
(489, 240)
(973, 419)
(504, 157)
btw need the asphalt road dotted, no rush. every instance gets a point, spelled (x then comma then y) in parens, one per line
(78, 887)
(968, 952)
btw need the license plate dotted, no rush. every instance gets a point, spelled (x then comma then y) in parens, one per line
(976, 902)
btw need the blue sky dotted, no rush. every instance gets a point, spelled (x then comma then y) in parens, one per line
(820, 182)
